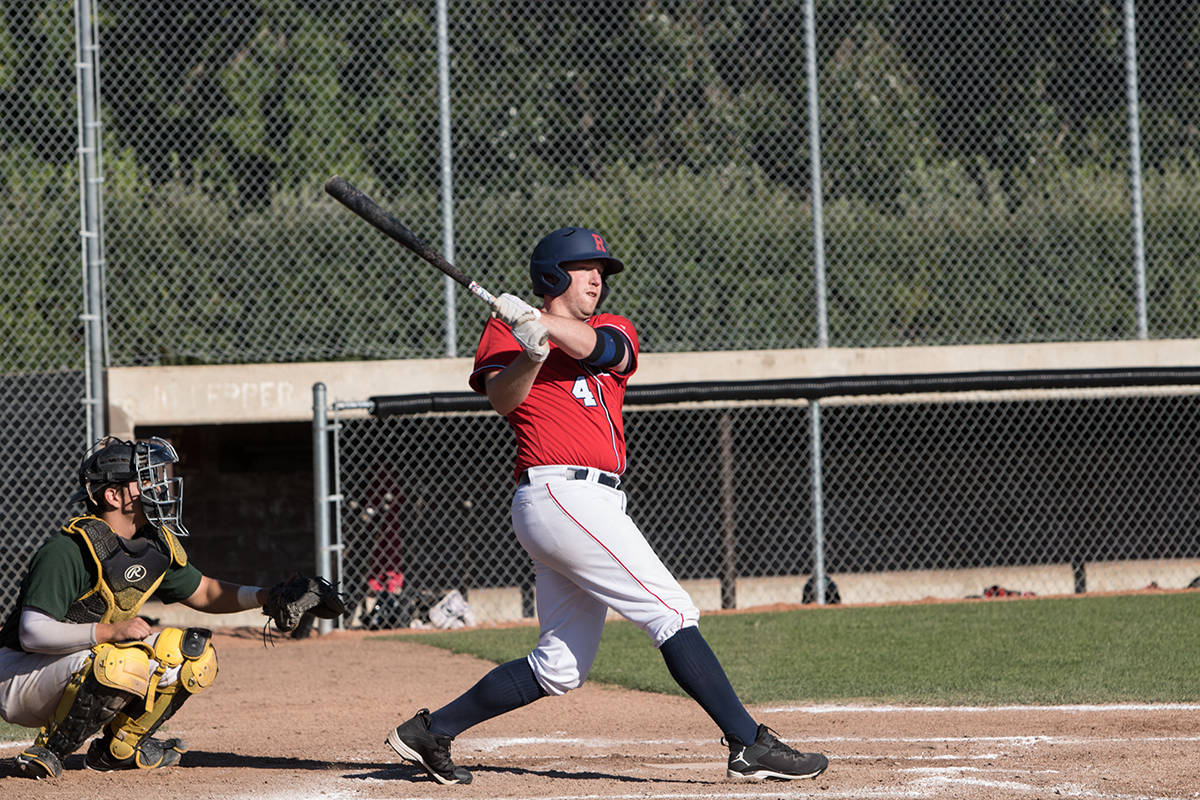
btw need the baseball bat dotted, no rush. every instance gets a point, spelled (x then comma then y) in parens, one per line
(355, 200)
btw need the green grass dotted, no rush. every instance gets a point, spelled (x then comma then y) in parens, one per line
(1112, 649)
(10, 732)
(1137, 648)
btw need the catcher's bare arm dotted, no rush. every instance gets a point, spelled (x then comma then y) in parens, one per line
(221, 597)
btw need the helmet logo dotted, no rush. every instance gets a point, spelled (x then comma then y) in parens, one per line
(564, 246)
(135, 573)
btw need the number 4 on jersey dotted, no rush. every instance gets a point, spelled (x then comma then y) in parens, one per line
(583, 392)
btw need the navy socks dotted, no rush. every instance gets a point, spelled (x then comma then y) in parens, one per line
(505, 688)
(689, 659)
(695, 668)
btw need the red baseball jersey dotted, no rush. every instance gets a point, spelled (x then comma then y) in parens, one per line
(573, 412)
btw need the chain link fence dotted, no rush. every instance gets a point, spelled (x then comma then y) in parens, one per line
(978, 180)
(42, 375)
(43, 441)
(949, 495)
(988, 173)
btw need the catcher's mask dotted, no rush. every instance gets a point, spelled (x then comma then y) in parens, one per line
(116, 462)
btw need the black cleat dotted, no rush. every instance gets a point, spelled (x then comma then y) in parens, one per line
(37, 762)
(413, 741)
(150, 754)
(770, 759)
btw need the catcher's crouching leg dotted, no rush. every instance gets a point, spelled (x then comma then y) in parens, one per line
(128, 742)
(105, 683)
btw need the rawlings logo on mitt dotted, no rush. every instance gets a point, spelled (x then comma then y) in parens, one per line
(289, 600)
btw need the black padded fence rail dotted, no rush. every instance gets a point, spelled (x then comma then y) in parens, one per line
(819, 388)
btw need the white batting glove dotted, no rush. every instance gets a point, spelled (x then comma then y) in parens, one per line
(534, 339)
(512, 310)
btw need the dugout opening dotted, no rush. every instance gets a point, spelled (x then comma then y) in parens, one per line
(247, 497)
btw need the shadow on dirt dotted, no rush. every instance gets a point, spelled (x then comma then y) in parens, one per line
(217, 760)
(416, 774)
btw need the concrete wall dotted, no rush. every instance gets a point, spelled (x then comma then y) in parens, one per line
(244, 435)
(247, 393)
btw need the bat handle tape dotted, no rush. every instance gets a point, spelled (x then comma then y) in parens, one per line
(482, 293)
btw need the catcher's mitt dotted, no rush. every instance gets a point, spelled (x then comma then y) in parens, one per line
(289, 600)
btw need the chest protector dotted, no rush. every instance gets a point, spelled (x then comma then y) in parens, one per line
(128, 571)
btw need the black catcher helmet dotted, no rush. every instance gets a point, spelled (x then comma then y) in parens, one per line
(565, 245)
(108, 463)
(116, 462)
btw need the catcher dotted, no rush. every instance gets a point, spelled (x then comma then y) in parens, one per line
(75, 657)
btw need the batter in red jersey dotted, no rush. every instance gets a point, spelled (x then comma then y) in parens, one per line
(558, 375)
(572, 412)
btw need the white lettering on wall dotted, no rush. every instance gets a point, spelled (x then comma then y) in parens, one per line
(223, 396)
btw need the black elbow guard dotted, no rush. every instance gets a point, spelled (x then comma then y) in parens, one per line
(609, 351)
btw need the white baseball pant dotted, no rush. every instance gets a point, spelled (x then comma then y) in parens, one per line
(589, 556)
(31, 684)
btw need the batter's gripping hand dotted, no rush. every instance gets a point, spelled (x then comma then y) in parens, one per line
(512, 310)
(288, 600)
(534, 339)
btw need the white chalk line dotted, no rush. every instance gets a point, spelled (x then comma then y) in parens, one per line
(925, 783)
(494, 744)
(1024, 740)
(1058, 790)
(924, 789)
(865, 709)
(609, 745)
(711, 795)
(961, 769)
(929, 777)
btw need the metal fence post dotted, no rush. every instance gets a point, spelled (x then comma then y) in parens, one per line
(1135, 169)
(320, 433)
(443, 52)
(87, 89)
(818, 502)
(814, 146)
(728, 513)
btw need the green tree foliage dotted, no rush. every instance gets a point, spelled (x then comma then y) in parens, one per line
(39, 261)
(37, 79)
(974, 157)
(881, 116)
(194, 280)
(223, 94)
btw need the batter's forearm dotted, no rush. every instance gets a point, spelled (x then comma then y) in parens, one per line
(509, 387)
(575, 338)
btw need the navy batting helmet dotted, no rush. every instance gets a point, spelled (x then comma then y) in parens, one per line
(562, 246)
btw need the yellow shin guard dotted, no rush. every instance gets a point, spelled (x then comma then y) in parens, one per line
(192, 652)
(112, 677)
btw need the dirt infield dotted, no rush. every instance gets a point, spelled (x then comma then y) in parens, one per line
(307, 719)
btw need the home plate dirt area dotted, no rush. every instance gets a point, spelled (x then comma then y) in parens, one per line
(307, 719)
